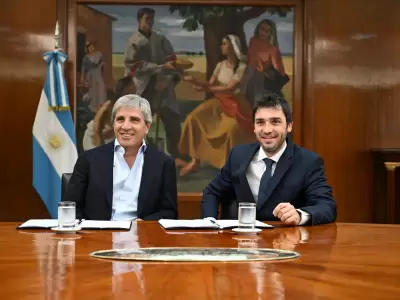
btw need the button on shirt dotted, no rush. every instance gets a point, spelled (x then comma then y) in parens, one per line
(257, 168)
(126, 183)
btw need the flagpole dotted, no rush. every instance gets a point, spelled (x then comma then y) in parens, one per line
(57, 37)
(54, 142)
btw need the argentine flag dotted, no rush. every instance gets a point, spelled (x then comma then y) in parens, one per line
(54, 144)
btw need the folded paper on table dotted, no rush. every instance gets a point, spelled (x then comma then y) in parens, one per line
(207, 223)
(84, 224)
(92, 224)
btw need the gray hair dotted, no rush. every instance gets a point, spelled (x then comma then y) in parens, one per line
(133, 101)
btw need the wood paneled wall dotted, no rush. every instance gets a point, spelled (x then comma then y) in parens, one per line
(352, 93)
(26, 32)
(351, 88)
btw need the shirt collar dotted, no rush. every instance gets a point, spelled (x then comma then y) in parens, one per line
(118, 146)
(275, 157)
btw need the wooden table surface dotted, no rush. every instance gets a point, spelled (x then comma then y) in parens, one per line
(338, 261)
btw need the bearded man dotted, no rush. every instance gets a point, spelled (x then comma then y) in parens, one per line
(287, 182)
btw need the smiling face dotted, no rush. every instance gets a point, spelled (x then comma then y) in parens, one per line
(271, 128)
(130, 127)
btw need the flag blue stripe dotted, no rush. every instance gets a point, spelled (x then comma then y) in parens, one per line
(46, 180)
(65, 119)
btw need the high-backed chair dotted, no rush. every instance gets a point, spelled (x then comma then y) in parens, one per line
(64, 183)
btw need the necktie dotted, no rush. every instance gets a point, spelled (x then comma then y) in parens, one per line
(262, 191)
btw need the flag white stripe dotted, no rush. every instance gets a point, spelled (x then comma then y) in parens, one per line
(48, 125)
(51, 85)
(62, 89)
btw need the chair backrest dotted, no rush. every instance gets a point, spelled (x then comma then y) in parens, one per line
(64, 183)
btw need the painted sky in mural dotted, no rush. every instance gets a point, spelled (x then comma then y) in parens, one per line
(183, 40)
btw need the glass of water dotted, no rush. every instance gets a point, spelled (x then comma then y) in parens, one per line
(247, 215)
(66, 214)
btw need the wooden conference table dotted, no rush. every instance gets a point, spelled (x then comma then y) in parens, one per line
(338, 261)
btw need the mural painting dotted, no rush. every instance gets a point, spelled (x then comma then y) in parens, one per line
(200, 67)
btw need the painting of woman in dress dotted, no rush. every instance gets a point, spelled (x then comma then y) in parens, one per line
(92, 77)
(266, 72)
(224, 121)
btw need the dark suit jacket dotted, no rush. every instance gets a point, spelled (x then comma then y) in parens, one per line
(298, 178)
(91, 185)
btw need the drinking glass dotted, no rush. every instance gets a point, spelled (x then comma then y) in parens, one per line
(66, 214)
(247, 215)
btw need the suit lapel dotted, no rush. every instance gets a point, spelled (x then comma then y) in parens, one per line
(246, 194)
(107, 169)
(282, 167)
(150, 164)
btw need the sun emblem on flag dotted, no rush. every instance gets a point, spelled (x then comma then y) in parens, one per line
(55, 142)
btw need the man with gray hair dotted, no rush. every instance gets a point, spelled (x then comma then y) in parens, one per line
(125, 179)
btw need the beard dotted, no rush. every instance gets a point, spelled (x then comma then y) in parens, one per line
(273, 148)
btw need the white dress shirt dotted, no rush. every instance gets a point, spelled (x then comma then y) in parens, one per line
(126, 184)
(256, 169)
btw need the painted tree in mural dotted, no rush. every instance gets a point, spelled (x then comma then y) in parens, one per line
(218, 21)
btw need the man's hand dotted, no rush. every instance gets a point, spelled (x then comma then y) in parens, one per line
(287, 214)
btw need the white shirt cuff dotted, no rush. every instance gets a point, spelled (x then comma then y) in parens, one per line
(304, 216)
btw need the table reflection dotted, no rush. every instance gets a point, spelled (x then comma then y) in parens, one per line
(126, 240)
(63, 260)
(56, 260)
(290, 238)
(286, 240)
(267, 277)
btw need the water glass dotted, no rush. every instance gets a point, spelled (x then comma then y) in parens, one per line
(247, 215)
(66, 214)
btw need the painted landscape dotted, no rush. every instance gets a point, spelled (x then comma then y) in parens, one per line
(184, 90)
